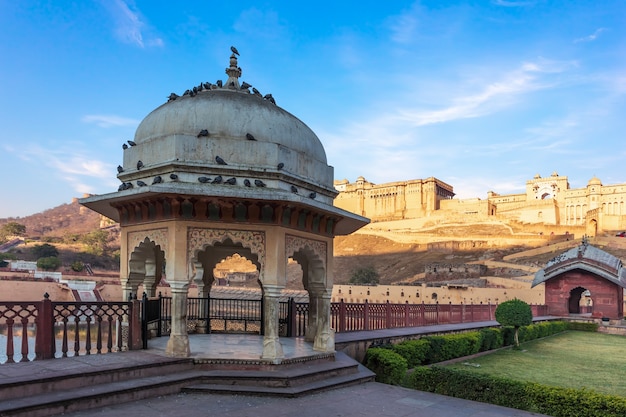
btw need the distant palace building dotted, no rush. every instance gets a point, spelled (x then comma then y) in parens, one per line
(547, 201)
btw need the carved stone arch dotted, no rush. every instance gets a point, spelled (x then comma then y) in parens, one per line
(311, 255)
(252, 244)
(209, 258)
(145, 264)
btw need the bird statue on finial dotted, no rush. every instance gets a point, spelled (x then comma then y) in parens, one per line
(234, 50)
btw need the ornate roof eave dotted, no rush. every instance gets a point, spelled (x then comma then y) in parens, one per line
(547, 274)
(104, 204)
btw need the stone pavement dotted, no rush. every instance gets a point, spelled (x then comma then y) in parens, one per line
(370, 399)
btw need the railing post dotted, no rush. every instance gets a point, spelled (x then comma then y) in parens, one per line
(135, 326)
(291, 316)
(388, 315)
(407, 318)
(143, 319)
(436, 312)
(160, 315)
(44, 344)
(342, 316)
(423, 314)
(366, 315)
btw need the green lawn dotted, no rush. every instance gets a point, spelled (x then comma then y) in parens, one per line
(571, 359)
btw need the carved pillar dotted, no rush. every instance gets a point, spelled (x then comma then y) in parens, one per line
(311, 326)
(272, 349)
(149, 280)
(198, 279)
(127, 290)
(325, 336)
(178, 343)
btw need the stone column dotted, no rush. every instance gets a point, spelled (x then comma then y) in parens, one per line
(149, 284)
(311, 326)
(324, 336)
(272, 349)
(178, 343)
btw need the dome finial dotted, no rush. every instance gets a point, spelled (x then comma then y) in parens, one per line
(233, 71)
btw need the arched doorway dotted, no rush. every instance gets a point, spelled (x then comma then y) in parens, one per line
(145, 268)
(579, 299)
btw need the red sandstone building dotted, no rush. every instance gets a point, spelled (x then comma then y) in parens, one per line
(584, 279)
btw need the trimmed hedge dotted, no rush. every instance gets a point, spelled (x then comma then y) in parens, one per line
(434, 349)
(389, 367)
(583, 327)
(529, 396)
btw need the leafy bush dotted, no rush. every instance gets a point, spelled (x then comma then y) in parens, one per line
(491, 338)
(49, 263)
(77, 266)
(583, 327)
(529, 396)
(389, 367)
(365, 276)
(414, 351)
(515, 313)
(45, 250)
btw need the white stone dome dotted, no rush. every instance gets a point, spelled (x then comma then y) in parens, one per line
(227, 131)
(230, 115)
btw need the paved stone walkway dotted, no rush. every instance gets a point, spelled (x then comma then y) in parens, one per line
(371, 399)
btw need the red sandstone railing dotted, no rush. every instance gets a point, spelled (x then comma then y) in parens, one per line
(47, 329)
(348, 317)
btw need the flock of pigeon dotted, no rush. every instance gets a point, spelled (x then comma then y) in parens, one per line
(205, 133)
(206, 86)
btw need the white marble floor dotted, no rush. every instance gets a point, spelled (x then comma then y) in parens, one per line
(235, 346)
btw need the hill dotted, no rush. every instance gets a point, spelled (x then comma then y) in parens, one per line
(59, 221)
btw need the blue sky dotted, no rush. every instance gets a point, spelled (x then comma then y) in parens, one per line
(482, 95)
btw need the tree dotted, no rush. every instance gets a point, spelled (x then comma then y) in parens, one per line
(45, 250)
(96, 241)
(14, 229)
(49, 263)
(365, 276)
(515, 313)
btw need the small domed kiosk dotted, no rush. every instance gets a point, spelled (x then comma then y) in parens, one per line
(223, 170)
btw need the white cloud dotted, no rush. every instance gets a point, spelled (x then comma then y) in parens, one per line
(109, 120)
(492, 98)
(72, 165)
(129, 24)
(591, 37)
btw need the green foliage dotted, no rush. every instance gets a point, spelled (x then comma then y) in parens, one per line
(514, 313)
(414, 351)
(49, 263)
(45, 250)
(491, 338)
(96, 241)
(10, 256)
(365, 276)
(583, 327)
(13, 229)
(529, 396)
(77, 266)
(389, 367)
(439, 348)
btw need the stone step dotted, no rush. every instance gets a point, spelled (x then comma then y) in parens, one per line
(59, 377)
(98, 395)
(361, 376)
(281, 377)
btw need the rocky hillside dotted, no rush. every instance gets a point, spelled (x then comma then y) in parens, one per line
(58, 221)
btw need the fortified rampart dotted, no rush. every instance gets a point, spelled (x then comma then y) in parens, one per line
(548, 203)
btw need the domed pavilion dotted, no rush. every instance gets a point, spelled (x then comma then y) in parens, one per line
(218, 171)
